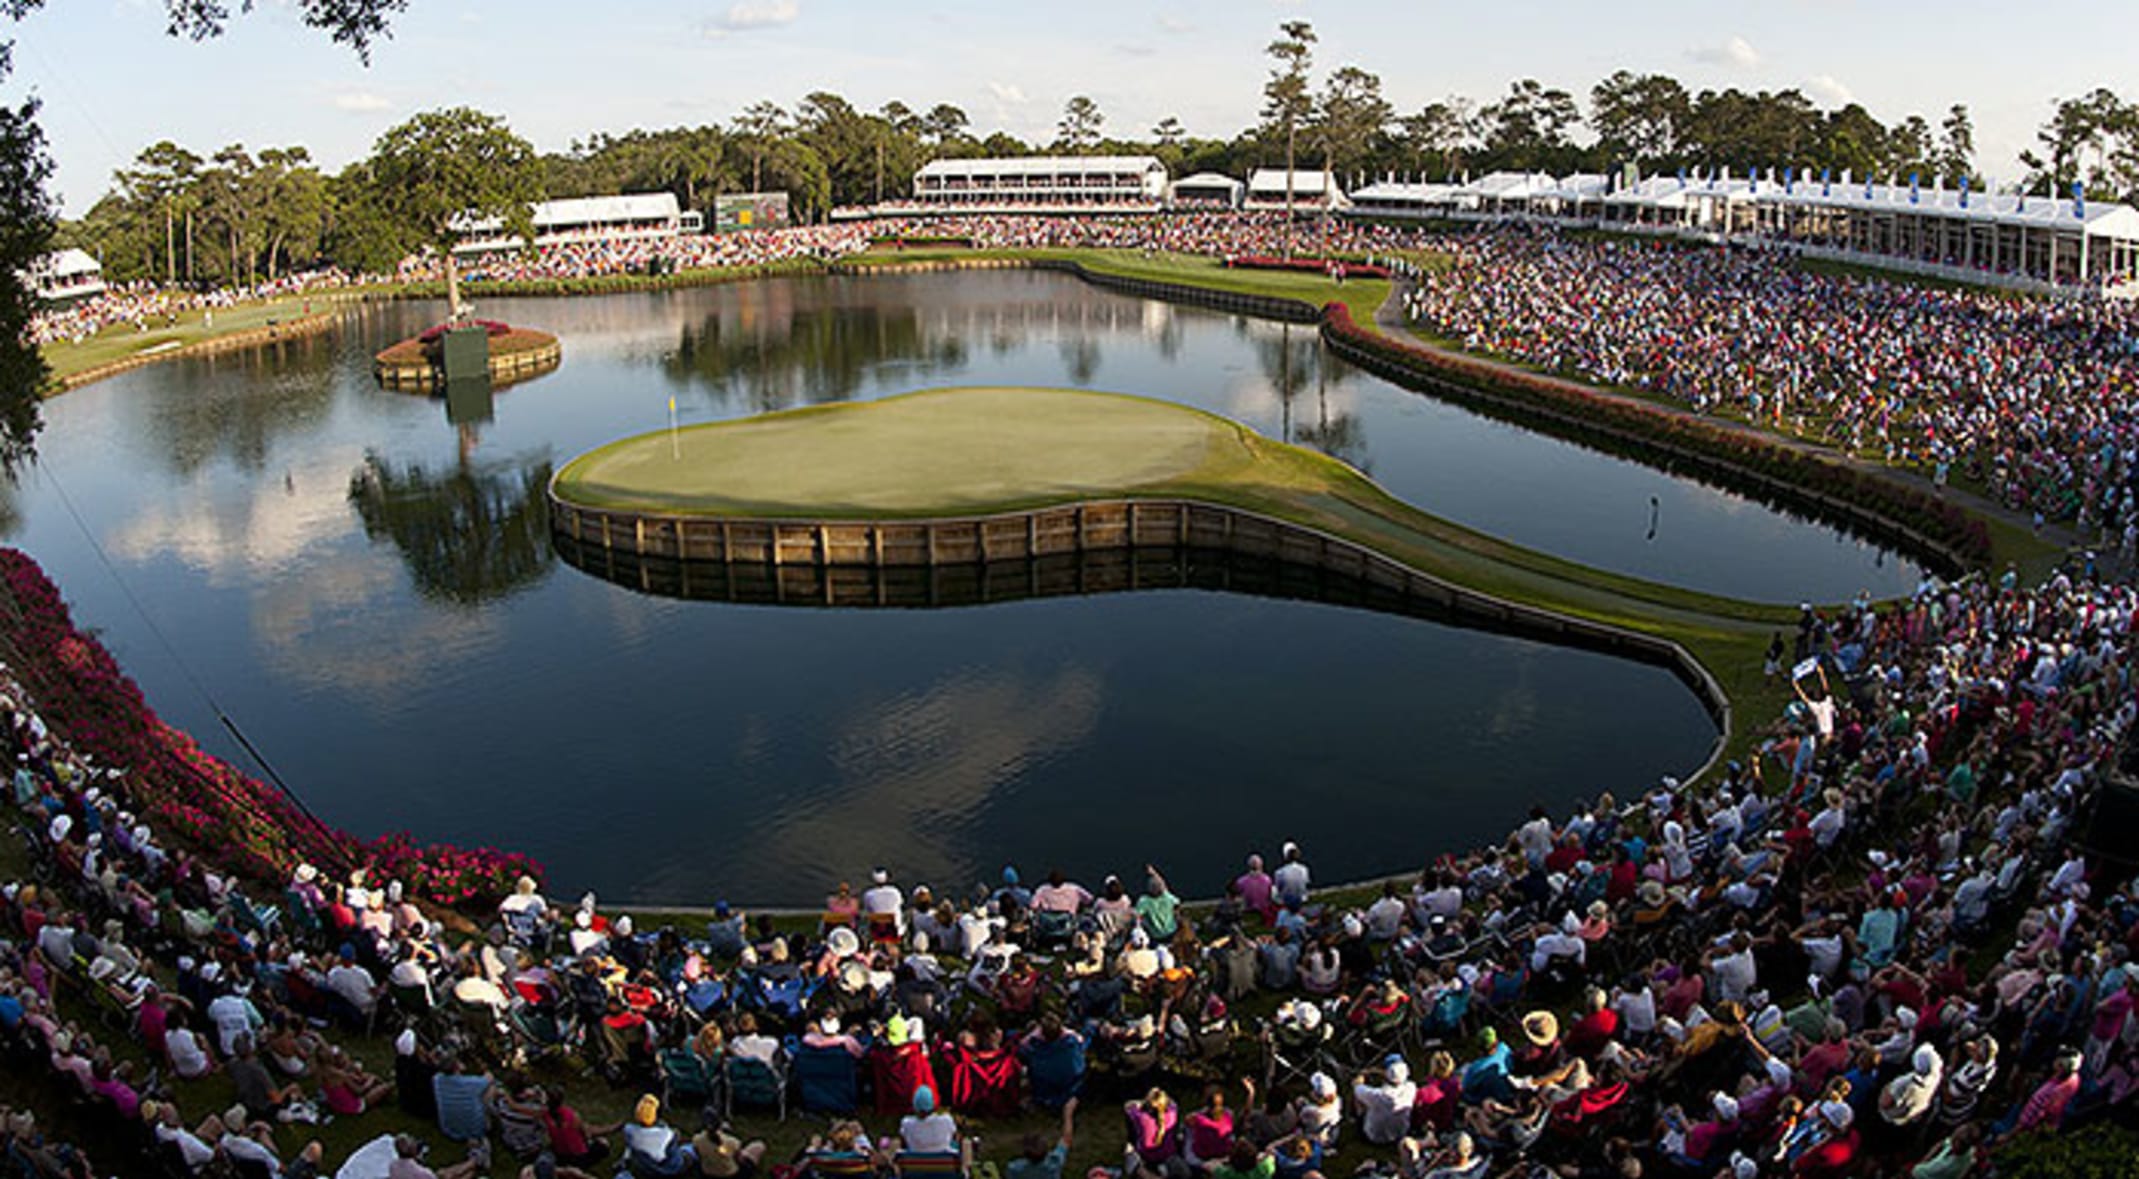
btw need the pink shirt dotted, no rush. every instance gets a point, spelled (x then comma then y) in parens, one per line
(1066, 898)
(1210, 1136)
(1256, 892)
(2048, 1104)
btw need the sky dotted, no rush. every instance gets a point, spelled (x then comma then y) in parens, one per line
(112, 82)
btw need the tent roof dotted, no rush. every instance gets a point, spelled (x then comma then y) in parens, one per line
(640, 206)
(1041, 166)
(1303, 180)
(65, 262)
(1399, 190)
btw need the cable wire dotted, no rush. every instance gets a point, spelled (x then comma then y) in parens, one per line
(186, 670)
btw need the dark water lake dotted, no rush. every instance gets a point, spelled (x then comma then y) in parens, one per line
(369, 590)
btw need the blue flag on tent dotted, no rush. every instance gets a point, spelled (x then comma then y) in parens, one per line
(2079, 201)
(1913, 190)
(1964, 192)
(1789, 178)
(1867, 186)
(1826, 181)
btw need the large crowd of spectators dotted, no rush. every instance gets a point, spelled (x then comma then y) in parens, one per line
(1871, 948)
(144, 305)
(2033, 398)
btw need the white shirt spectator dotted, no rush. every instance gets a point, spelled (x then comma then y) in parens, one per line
(233, 1015)
(188, 1058)
(1291, 881)
(196, 1153)
(1384, 918)
(354, 984)
(934, 1133)
(1558, 944)
(1385, 1109)
(756, 1046)
(1733, 975)
(1638, 1009)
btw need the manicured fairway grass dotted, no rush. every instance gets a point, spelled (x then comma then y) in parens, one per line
(121, 341)
(942, 453)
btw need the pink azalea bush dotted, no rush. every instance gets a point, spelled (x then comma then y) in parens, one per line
(238, 823)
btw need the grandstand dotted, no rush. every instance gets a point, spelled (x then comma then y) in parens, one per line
(630, 217)
(1409, 199)
(2023, 242)
(1311, 189)
(66, 275)
(1038, 184)
(1206, 190)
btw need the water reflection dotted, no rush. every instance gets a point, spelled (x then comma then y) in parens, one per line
(370, 591)
(780, 354)
(468, 535)
(1086, 573)
(238, 406)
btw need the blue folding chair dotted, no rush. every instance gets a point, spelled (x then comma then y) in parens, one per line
(827, 1080)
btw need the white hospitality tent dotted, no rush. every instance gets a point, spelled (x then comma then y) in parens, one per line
(1397, 198)
(66, 274)
(1207, 188)
(1507, 194)
(1311, 189)
(1970, 234)
(626, 217)
(1067, 182)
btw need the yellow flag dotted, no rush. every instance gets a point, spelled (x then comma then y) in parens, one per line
(672, 405)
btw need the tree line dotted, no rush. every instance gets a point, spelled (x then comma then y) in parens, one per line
(239, 216)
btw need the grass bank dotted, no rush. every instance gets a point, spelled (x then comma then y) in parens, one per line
(123, 342)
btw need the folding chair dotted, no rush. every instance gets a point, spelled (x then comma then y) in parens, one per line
(985, 1084)
(755, 1084)
(1444, 1019)
(827, 1079)
(1054, 1069)
(895, 1072)
(688, 1077)
(929, 1164)
(837, 1165)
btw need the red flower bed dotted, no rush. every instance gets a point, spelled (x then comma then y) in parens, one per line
(234, 821)
(1917, 511)
(1307, 265)
(491, 327)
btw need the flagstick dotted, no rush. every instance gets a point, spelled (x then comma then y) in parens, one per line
(675, 445)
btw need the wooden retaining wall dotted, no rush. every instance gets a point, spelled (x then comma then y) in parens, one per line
(889, 562)
(505, 368)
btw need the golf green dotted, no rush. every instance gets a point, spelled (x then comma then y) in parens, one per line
(942, 452)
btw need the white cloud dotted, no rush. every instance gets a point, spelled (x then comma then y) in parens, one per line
(746, 15)
(1134, 49)
(361, 102)
(1737, 53)
(1829, 90)
(1176, 25)
(1007, 92)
